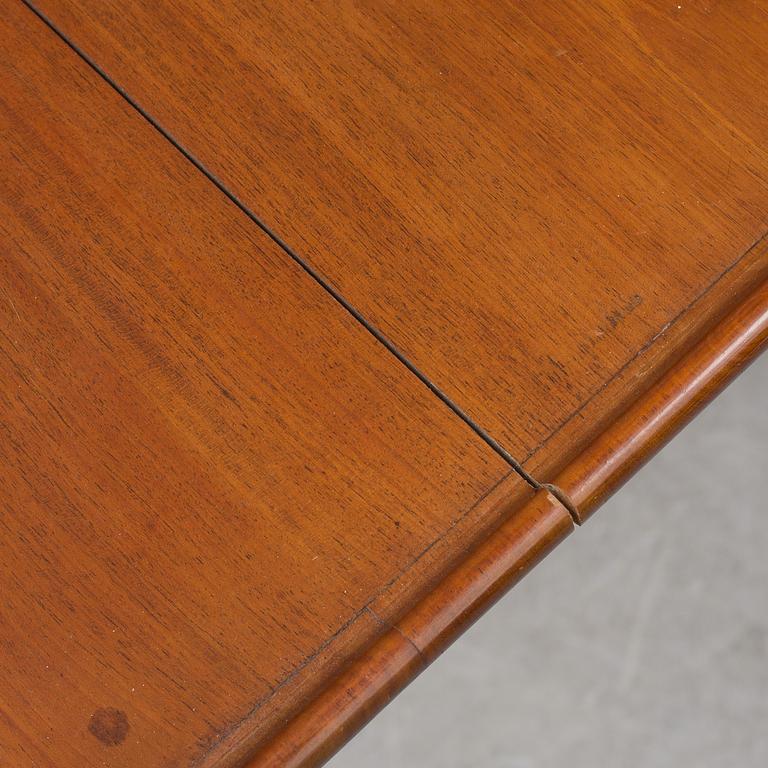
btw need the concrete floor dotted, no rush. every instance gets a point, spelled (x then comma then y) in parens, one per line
(641, 642)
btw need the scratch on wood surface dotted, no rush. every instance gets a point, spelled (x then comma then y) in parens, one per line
(12, 305)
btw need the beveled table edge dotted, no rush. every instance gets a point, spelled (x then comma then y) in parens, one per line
(408, 645)
(717, 351)
(691, 383)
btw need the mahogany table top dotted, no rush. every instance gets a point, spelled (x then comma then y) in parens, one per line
(322, 323)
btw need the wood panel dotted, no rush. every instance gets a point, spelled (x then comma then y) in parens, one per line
(217, 488)
(208, 469)
(475, 584)
(636, 386)
(667, 406)
(524, 197)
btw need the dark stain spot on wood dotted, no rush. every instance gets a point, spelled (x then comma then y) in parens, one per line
(109, 726)
(618, 315)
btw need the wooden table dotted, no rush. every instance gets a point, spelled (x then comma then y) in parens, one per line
(321, 324)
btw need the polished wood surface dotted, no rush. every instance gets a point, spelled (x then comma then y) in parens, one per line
(416, 639)
(321, 323)
(522, 197)
(208, 469)
(633, 386)
(667, 406)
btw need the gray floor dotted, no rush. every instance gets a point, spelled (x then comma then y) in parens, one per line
(642, 641)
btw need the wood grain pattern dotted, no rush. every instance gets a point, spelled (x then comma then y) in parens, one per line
(521, 196)
(501, 538)
(631, 387)
(667, 406)
(475, 584)
(208, 469)
(232, 521)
